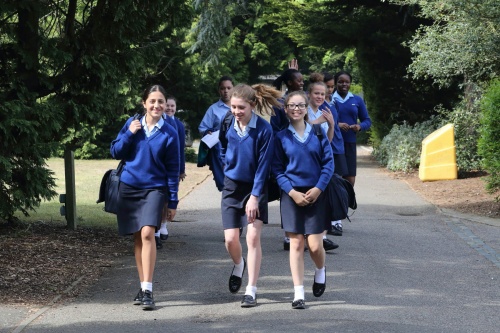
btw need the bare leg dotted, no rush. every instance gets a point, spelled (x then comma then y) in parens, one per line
(233, 245)
(316, 249)
(148, 252)
(138, 254)
(254, 255)
(297, 258)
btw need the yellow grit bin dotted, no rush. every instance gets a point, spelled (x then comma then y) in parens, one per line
(438, 160)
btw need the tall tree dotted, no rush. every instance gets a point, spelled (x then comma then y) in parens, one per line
(66, 66)
(376, 30)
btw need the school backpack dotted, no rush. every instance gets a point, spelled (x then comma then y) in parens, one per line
(340, 192)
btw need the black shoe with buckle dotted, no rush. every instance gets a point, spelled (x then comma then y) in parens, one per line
(164, 237)
(248, 301)
(138, 297)
(329, 244)
(235, 281)
(159, 244)
(335, 230)
(148, 302)
(299, 304)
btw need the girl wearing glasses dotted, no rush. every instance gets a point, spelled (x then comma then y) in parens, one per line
(294, 81)
(246, 151)
(303, 166)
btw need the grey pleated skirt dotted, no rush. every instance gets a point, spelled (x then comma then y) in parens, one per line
(234, 199)
(138, 208)
(305, 220)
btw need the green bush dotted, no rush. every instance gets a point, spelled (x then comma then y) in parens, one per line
(489, 141)
(191, 155)
(465, 118)
(400, 149)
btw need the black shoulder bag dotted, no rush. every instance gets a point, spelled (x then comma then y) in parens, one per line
(108, 191)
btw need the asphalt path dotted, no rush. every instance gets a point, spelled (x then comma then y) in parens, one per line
(402, 266)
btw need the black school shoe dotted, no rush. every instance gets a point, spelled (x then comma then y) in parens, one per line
(138, 297)
(235, 281)
(148, 302)
(248, 301)
(299, 304)
(164, 237)
(159, 244)
(335, 230)
(329, 244)
(319, 288)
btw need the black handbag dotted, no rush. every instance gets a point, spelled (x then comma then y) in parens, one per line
(108, 191)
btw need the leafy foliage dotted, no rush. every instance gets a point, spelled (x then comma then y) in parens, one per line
(376, 31)
(65, 68)
(466, 122)
(400, 150)
(462, 41)
(489, 142)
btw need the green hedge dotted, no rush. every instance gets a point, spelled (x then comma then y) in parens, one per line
(489, 141)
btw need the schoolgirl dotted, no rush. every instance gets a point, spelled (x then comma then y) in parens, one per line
(294, 81)
(316, 90)
(169, 116)
(319, 111)
(150, 177)
(350, 108)
(211, 122)
(303, 166)
(246, 150)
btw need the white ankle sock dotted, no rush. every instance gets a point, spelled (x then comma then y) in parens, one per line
(163, 228)
(157, 234)
(324, 236)
(238, 268)
(299, 293)
(147, 286)
(338, 222)
(319, 275)
(251, 290)
(287, 239)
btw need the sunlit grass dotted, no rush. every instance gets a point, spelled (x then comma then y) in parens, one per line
(88, 175)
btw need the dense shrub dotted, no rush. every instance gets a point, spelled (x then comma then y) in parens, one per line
(191, 155)
(400, 149)
(466, 120)
(489, 141)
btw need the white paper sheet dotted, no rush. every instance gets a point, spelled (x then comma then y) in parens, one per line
(211, 139)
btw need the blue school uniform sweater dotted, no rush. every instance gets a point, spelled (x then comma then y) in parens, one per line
(181, 132)
(149, 162)
(338, 140)
(213, 117)
(248, 159)
(296, 164)
(350, 110)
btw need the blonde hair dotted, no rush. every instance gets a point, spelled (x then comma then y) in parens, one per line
(317, 83)
(262, 96)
